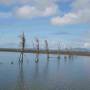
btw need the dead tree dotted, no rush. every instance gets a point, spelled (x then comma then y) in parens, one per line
(47, 48)
(37, 50)
(22, 44)
(58, 51)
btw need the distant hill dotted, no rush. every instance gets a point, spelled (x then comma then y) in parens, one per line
(80, 49)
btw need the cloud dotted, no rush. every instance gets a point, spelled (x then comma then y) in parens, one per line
(82, 8)
(50, 10)
(24, 1)
(62, 33)
(80, 13)
(87, 45)
(28, 11)
(25, 12)
(80, 4)
(6, 2)
(31, 8)
(82, 16)
(69, 18)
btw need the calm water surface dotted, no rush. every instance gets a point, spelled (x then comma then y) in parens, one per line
(52, 74)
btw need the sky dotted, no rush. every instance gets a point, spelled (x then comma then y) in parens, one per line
(61, 22)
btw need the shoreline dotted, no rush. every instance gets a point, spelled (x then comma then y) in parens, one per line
(43, 51)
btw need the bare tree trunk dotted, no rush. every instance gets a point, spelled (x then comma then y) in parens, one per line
(47, 49)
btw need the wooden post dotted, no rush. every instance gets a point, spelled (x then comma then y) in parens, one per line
(47, 49)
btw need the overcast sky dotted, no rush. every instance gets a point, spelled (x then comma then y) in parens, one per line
(64, 21)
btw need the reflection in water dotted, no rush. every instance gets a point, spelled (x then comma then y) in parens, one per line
(21, 57)
(65, 57)
(40, 76)
(58, 57)
(69, 58)
(46, 70)
(12, 62)
(36, 73)
(37, 58)
(1, 63)
(37, 76)
(52, 75)
(20, 80)
(26, 59)
(58, 64)
(48, 58)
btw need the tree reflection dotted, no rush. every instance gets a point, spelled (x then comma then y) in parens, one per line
(20, 79)
(46, 70)
(36, 73)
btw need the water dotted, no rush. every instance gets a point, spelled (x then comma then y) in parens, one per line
(52, 74)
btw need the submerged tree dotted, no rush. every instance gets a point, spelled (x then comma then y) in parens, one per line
(58, 51)
(47, 48)
(37, 50)
(22, 45)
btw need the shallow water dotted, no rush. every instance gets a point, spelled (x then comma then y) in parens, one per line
(53, 74)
